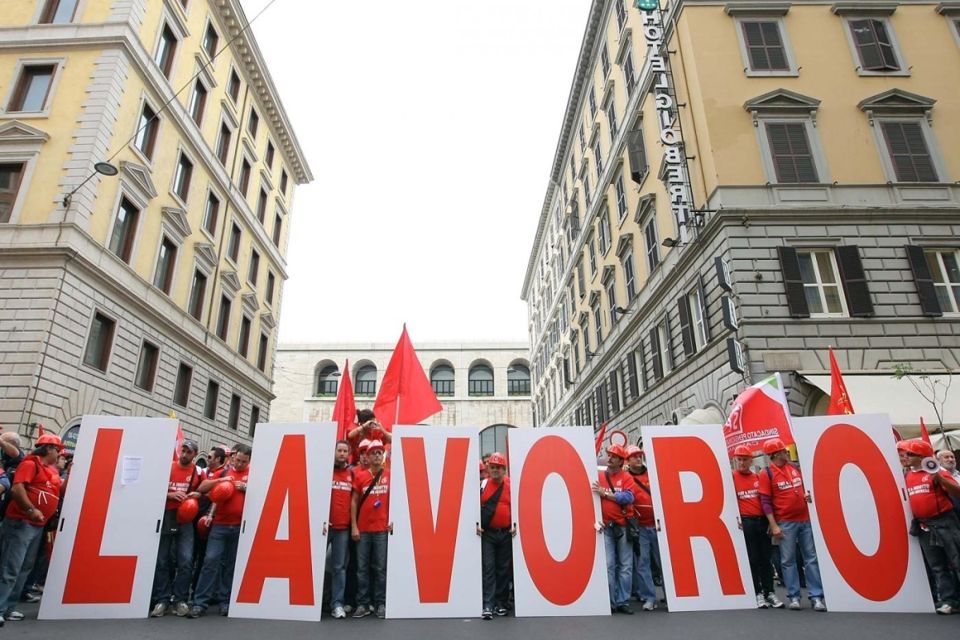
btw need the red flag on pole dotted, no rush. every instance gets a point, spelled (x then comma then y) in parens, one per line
(179, 445)
(924, 434)
(406, 395)
(345, 408)
(600, 437)
(40, 431)
(839, 400)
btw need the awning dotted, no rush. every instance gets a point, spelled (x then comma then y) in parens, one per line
(883, 393)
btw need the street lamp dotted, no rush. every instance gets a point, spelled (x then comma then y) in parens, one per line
(101, 168)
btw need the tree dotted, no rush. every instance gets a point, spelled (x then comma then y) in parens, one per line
(933, 390)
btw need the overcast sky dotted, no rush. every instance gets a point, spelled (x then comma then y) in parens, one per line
(430, 127)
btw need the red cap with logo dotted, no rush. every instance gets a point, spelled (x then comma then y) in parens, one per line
(742, 452)
(917, 447)
(616, 450)
(633, 450)
(770, 447)
(497, 458)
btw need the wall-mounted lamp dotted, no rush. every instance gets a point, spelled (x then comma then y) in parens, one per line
(670, 243)
(101, 168)
(623, 312)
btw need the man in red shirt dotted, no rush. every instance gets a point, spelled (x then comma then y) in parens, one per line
(755, 528)
(936, 523)
(171, 581)
(646, 549)
(495, 530)
(617, 493)
(338, 531)
(216, 574)
(35, 495)
(370, 524)
(784, 503)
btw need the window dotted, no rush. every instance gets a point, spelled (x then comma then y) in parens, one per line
(262, 206)
(233, 85)
(825, 282)
(637, 154)
(197, 291)
(660, 349)
(621, 14)
(694, 331)
(595, 308)
(874, 45)
(592, 99)
(277, 229)
(629, 73)
(790, 152)
(653, 246)
(11, 176)
(611, 286)
(262, 352)
(598, 157)
(818, 269)
(181, 390)
(629, 278)
(254, 419)
(612, 118)
(253, 272)
(494, 438)
(945, 272)
(233, 420)
(211, 40)
(243, 343)
(442, 380)
(223, 143)
(581, 288)
(271, 284)
(268, 157)
(147, 127)
(592, 254)
(603, 228)
(585, 178)
(604, 60)
(32, 90)
(764, 45)
(243, 183)
(583, 139)
(366, 381)
(58, 11)
(198, 100)
(327, 381)
(283, 182)
(698, 315)
(166, 260)
(223, 319)
(908, 151)
(480, 380)
(233, 249)
(621, 197)
(99, 342)
(211, 213)
(124, 230)
(147, 366)
(210, 400)
(253, 124)
(518, 380)
(182, 177)
(166, 50)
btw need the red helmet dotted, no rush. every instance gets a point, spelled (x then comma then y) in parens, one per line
(203, 527)
(903, 445)
(49, 438)
(770, 447)
(364, 445)
(374, 445)
(632, 450)
(497, 458)
(917, 447)
(188, 510)
(222, 491)
(742, 451)
(616, 450)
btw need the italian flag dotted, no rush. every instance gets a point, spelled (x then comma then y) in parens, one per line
(759, 414)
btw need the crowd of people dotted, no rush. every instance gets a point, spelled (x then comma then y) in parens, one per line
(200, 529)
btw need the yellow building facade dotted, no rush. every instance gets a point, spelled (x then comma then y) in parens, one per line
(156, 289)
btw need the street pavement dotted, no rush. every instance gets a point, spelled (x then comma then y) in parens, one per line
(715, 625)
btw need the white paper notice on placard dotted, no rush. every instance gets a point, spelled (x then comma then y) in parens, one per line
(702, 550)
(106, 551)
(860, 515)
(280, 555)
(559, 565)
(434, 506)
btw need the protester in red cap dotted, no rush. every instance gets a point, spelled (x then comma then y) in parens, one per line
(935, 523)
(646, 549)
(171, 580)
(784, 503)
(495, 530)
(363, 461)
(617, 493)
(35, 496)
(338, 533)
(755, 528)
(484, 474)
(370, 524)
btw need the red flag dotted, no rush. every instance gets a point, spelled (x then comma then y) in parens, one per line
(40, 431)
(179, 445)
(345, 408)
(839, 400)
(924, 434)
(600, 436)
(406, 395)
(758, 414)
(896, 434)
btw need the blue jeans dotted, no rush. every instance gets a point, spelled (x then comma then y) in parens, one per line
(19, 541)
(174, 566)
(802, 533)
(619, 563)
(372, 568)
(646, 549)
(339, 540)
(216, 575)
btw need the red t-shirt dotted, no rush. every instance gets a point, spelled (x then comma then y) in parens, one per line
(609, 509)
(182, 479)
(502, 517)
(340, 498)
(786, 492)
(927, 500)
(43, 489)
(747, 486)
(642, 500)
(213, 474)
(231, 511)
(374, 513)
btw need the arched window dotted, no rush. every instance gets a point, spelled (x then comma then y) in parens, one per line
(494, 438)
(442, 379)
(366, 383)
(327, 380)
(480, 380)
(518, 380)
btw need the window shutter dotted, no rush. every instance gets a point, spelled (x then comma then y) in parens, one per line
(601, 402)
(776, 56)
(632, 377)
(566, 373)
(793, 282)
(655, 354)
(669, 346)
(706, 309)
(686, 325)
(643, 367)
(637, 155)
(614, 393)
(854, 281)
(924, 280)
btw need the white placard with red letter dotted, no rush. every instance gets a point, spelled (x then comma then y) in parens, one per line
(703, 552)
(434, 507)
(106, 551)
(283, 545)
(860, 515)
(559, 565)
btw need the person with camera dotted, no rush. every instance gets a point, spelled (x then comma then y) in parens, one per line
(370, 525)
(495, 531)
(617, 492)
(935, 523)
(646, 549)
(367, 428)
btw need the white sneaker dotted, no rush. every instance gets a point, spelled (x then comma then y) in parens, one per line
(762, 602)
(774, 601)
(795, 604)
(944, 609)
(14, 616)
(649, 605)
(818, 604)
(339, 613)
(159, 610)
(182, 609)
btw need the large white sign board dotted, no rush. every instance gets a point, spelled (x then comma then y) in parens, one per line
(280, 555)
(106, 551)
(434, 507)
